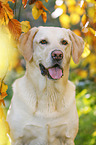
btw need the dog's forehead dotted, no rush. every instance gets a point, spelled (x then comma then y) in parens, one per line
(53, 32)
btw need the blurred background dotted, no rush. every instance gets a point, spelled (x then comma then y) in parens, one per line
(80, 17)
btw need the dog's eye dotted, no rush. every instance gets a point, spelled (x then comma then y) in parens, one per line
(64, 42)
(43, 42)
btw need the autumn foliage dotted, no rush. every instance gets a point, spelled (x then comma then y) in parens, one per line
(7, 15)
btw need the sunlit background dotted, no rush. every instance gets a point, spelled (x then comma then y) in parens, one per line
(80, 17)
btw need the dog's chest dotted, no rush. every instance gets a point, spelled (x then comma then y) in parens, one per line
(46, 114)
(50, 99)
(45, 128)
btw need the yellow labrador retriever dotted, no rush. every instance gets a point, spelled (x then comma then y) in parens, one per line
(43, 109)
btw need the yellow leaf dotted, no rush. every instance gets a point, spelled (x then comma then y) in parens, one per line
(86, 51)
(44, 17)
(90, 59)
(25, 26)
(91, 1)
(84, 19)
(94, 133)
(74, 18)
(91, 12)
(77, 32)
(1, 113)
(79, 10)
(4, 130)
(92, 31)
(94, 18)
(71, 9)
(4, 88)
(70, 2)
(65, 20)
(76, 9)
(36, 12)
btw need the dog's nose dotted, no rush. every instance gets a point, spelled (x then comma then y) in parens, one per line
(57, 55)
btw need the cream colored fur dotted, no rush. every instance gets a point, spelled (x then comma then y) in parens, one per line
(43, 111)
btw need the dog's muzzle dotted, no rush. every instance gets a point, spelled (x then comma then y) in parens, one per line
(55, 72)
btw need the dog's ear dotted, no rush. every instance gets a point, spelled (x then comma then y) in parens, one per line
(26, 43)
(77, 45)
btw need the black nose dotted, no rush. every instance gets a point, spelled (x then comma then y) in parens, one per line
(57, 55)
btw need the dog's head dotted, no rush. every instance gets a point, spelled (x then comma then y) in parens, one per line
(50, 48)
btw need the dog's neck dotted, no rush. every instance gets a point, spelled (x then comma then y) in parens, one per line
(54, 90)
(41, 82)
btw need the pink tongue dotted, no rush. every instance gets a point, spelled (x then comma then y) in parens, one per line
(55, 72)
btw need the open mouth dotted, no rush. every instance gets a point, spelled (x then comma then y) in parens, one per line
(55, 72)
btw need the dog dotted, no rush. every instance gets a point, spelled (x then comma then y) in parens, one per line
(43, 108)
